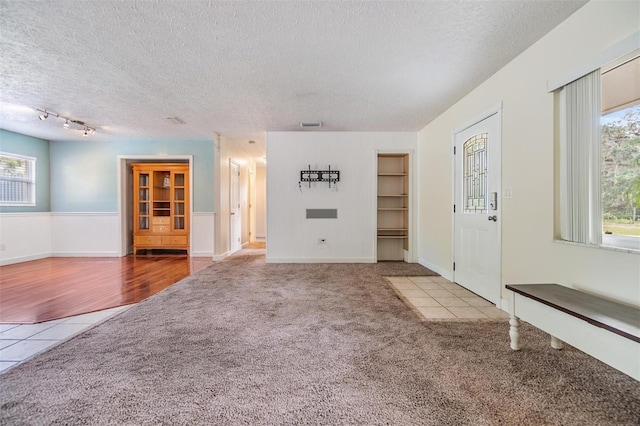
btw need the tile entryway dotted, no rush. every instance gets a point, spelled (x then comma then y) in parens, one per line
(438, 298)
(18, 342)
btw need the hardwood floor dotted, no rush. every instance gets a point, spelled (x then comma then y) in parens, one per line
(57, 287)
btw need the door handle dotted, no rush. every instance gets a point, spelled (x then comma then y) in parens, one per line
(493, 218)
(232, 213)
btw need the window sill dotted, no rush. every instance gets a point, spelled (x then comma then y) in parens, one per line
(621, 242)
(601, 247)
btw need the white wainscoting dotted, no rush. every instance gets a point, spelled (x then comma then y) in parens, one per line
(24, 237)
(31, 236)
(202, 234)
(84, 234)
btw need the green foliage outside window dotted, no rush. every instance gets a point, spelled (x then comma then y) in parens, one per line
(621, 173)
(12, 167)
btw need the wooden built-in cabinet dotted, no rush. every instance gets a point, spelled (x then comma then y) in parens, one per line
(160, 206)
(393, 207)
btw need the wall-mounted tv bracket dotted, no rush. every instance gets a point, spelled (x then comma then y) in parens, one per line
(319, 176)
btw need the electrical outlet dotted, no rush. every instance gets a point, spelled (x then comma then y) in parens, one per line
(322, 241)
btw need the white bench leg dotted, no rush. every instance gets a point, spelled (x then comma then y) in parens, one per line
(514, 332)
(556, 343)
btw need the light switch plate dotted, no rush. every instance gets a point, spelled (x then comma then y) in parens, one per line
(506, 192)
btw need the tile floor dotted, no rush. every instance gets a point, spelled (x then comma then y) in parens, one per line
(21, 341)
(438, 298)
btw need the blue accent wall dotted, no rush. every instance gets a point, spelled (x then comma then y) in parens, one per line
(15, 143)
(84, 174)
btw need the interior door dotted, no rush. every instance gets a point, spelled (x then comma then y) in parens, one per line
(235, 224)
(477, 257)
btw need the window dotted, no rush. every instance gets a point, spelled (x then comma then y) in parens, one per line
(17, 180)
(620, 152)
(600, 157)
(475, 174)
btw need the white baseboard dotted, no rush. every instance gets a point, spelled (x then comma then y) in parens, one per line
(20, 259)
(85, 254)
(221, 256)
(201, 254)
(320, 260)
(435, 268)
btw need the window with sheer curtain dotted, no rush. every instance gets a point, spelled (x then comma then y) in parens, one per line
(17, 180)
(599, 185)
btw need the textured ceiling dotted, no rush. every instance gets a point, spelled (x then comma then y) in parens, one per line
(243, 68)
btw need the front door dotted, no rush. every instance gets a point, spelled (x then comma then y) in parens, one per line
(477, 204)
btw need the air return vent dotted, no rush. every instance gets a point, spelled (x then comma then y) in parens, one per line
(322, 213)
(310, 124)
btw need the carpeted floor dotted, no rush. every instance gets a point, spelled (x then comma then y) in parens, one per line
(244, 342)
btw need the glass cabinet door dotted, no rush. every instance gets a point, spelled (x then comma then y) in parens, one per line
(179, 201)
(143, 201)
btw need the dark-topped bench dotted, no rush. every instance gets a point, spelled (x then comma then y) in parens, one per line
(606, 330)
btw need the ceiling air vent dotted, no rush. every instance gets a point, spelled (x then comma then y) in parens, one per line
(310, 124)
(175, 120)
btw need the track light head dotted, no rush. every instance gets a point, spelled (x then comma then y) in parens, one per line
(86, 132)
(43, 116)
(66, 124)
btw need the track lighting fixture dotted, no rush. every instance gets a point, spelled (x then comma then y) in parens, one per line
(69, 123)
(88, 131)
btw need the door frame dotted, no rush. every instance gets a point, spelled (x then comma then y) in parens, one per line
(232, 245)
(125, 189)
(496, 110)
(251, 216)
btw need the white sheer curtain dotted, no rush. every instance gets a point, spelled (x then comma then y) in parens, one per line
(580, 190)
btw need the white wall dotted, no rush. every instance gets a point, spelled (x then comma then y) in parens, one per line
(529, 253)
(352, 236)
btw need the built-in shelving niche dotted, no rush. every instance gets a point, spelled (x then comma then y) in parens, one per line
(393, 207)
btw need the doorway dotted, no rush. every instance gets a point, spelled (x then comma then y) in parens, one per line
(235, 220)
(477, 207)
